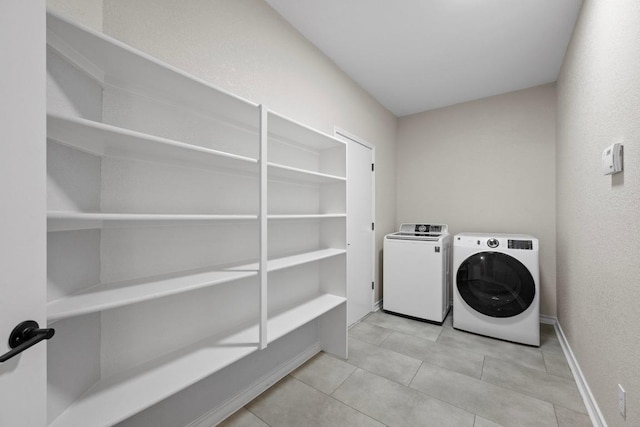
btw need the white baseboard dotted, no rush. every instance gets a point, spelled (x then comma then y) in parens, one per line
(219, 414)
(589, 401)
(548, 320)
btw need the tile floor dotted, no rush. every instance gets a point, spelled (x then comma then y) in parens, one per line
(401, 372)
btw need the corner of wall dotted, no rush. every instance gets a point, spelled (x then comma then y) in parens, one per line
(87, 12)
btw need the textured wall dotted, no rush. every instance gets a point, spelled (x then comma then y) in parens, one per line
(485, 166)
(88, 12)
(598, 227)
(245, 47)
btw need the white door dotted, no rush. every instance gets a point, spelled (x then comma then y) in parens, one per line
(22, 207)
(360, 234)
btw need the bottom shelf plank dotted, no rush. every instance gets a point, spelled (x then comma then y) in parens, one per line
(290, 320)
(120, 396)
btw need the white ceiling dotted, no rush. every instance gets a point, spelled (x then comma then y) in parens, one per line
(417, 55)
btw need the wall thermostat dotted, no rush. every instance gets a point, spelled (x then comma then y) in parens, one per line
(612, 159)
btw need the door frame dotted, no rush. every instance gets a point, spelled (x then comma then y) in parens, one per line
(23, 378)
(349, 137)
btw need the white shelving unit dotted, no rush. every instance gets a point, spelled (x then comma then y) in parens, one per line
(177, 208)
(111, 295)
(142, 384)
(296, 174)
(61, 221)
(105, 140)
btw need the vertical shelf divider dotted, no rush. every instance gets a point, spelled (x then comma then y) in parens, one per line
(263, 226)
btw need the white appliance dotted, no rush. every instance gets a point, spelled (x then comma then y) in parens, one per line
(416, 272)
(496, 288)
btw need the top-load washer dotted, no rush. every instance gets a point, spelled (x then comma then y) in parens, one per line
(416, 272)
(497, 286)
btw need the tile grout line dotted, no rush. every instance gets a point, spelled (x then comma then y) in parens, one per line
(554, 375)
(342, 382)
(414, 375)
(545, 370)
(426, 362)
(424, 393)
(330, 396)
(526, 393)
(256, 415)
(556, 414)
(427, 395)
(377, 375)
(487, 382)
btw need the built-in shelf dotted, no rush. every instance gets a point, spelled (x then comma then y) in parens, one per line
(306, 172)
(306, 216)
(110, 62)
(144, 385)
(286, 130)
(294, 260)
(106, 296)
(287, 321)
(117, 294)
(111, 141)
(295, 174)
(65, 221)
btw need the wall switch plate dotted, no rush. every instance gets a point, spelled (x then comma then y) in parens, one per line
(622, 401)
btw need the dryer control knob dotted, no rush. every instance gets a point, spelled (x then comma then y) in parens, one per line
(493, 243)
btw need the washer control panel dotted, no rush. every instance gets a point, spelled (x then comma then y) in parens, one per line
(423, 228)
(520, 244)
(496, 241)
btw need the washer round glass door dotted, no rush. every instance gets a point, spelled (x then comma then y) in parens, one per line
(495, 284)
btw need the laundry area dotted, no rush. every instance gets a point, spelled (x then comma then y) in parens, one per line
(336, 213)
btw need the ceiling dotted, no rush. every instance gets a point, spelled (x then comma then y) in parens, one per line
(418, 55)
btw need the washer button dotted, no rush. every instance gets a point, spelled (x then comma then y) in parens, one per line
(493, 243)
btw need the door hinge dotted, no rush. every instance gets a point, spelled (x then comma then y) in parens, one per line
(373, 227)
(372, 167)
(371, 285)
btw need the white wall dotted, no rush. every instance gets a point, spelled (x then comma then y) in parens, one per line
(485, 166)
(598, 216)
(89, 12)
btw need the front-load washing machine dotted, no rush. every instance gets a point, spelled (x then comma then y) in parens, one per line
(496, 288)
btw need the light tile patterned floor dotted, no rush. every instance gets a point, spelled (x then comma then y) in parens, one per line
(402, 372)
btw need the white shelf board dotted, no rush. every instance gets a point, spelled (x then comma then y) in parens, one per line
(287, 321)
(104, 405)
(294, 260)
(106, 296)
(301, 175)
(65, 220)
(289, 131)
(109, 60)
(305, 216)
(105, 140)
(122, 395)
(117, 294)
